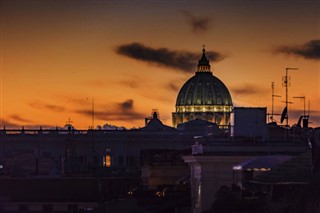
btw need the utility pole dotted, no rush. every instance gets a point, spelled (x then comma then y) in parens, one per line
(286, 84)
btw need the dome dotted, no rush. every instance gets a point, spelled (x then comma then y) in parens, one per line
(203, 89)
(203, 97)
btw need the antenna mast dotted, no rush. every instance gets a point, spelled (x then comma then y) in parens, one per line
(286, 84)
(92, 113)
(273, 95)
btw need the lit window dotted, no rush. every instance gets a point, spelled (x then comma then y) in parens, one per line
(107, 161)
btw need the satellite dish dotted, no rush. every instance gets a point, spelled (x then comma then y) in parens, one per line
(284, 114)
(299, 121)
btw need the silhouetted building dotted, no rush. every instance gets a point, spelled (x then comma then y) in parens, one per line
(203, 96)
(249, 122)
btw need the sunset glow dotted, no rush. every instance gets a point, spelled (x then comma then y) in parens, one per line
(122, 59)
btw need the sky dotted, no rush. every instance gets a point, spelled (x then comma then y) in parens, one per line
(62, 60)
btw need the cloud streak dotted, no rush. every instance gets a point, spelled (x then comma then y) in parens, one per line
(123, 111)
(295, 114)
(198, 24)
(107, 83)
(309, 50)
(45, 106)
(173, 87)
(9, 124)
(108, 115)
(180, 60)
(18, 118)
(130, 83)
(126, 105)
(248, 89)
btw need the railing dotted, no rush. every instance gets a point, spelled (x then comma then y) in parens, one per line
(40, 131)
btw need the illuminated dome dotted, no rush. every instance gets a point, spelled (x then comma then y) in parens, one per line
(203, 89)
(204, 97)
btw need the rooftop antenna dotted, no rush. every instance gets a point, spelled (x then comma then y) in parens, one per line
(69, 122)
(273, 95)
(92, 113)
(286, 84)
(308, 115)
(154, 114)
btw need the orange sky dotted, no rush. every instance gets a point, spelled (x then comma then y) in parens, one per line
(59, 56)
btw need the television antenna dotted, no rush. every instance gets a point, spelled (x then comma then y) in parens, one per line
(273, 96)
(286, 84)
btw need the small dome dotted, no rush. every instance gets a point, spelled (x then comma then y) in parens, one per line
(204, 89)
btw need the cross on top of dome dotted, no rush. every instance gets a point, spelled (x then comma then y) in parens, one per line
(203, 65)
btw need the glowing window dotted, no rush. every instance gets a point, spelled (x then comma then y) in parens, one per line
(107, 161)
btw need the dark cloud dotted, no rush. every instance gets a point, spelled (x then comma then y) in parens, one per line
(180, 60)
(126, 105)
(314, 119)
(81, 101)
(130, 83)
(16, 125)
(109, 115)
(9, 124)
(51, 107)
(18, 118)
(119, 111)
(127, 116)
(248, 89)
(298, 112)
(294, 115)
(107, 83)
(98, 83)
(198, 24)
(309, 50)
(174, 87)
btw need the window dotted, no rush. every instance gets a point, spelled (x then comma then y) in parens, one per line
(107, 161)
